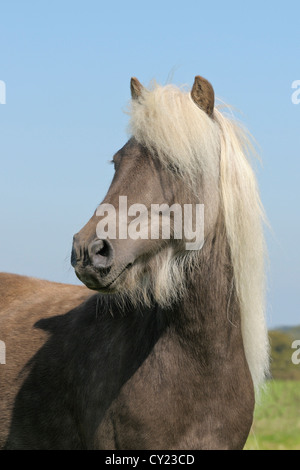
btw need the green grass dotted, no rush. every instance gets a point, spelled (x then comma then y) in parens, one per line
(277, 418)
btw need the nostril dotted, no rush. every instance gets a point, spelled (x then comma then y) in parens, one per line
(73, 257)
(103, 249)
(101, 253)
(75, 254)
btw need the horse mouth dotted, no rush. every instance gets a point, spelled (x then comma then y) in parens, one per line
(93, 281)
(110, 284)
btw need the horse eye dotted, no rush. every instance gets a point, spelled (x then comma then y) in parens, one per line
(174, 169)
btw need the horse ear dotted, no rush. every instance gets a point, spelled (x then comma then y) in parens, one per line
(136, 88)
(203, 95)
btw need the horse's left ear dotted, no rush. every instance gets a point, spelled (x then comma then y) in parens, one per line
(203, 95)
(136, 88)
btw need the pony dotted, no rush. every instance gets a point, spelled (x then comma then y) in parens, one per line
(163, 347)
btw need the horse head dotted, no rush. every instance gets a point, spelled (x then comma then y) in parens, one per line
(152, 217)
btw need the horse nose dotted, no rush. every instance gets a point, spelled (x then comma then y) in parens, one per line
(75, 254)
(101, 254)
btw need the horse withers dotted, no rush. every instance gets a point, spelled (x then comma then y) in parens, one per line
(166, 345)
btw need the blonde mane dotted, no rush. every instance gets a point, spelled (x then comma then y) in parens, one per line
(171, 125)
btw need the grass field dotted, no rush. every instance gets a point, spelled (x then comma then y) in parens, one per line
(277, 418)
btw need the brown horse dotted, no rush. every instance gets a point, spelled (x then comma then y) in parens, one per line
(168, 353)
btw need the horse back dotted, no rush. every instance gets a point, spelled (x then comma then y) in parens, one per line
(23, 302)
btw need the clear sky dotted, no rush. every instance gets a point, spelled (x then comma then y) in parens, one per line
(67, 66)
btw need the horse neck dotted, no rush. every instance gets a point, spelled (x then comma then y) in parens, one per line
(209, 313)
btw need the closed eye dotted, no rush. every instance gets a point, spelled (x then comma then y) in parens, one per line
(175, 169)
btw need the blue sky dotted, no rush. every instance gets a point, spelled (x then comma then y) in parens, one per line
(67, 67)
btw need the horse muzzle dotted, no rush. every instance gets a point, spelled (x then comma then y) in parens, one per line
(94, 264)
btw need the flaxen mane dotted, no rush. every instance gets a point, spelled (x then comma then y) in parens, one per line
(169, 123)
